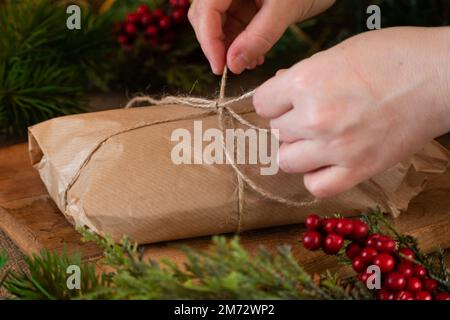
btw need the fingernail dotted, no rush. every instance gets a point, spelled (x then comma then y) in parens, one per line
(239, 63)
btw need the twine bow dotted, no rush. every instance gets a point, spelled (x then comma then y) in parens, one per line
(223, 109)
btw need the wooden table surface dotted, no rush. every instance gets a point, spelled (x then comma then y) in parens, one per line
(30, 218)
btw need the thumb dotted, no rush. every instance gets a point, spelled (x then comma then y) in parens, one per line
(257, 39)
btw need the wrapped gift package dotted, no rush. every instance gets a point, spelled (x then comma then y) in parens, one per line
(113, 172)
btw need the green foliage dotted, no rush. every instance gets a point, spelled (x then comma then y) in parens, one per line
(44, 67)
(3, 261)
(46, 277)
(224, 271)
(347, 18)
(159, 70)
(163, 70)
(30, 93)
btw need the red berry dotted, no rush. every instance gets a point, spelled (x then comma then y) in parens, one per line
(329, 224)
(344, 227)
(164, 22)
(386, 245)
(368, 254)
(423, 295)
(358, 264)
(333, 243)
(152, 31)
(179, 3)
(158, 13)
(378, 244)
(404, 295)
(184, 3)
(312, 240)
(420, 271)
(385, 262)
(442, 296)
(179, 15)
(312, 222)
(414, 284)
(371, 239)
(360, 229)
(384, 294)
(395, 281)
(146, 19)
(130, 29)
(429, 285)
(363, 276)
(352, 250)
(143, 8)
(406, 268)
(406, 253)
(132, 18)
(122, 39)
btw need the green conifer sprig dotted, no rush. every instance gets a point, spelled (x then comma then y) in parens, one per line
(44, 67)
(46, 277)
(224, 271)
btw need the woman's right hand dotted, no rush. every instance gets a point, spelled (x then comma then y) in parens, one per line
(239, 33)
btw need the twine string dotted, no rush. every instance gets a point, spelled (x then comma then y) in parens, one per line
(223, 108)
(225, 114)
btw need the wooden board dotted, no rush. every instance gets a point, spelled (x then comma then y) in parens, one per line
(30, 218)
(27, 214)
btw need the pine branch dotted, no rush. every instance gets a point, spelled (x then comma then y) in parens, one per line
(224, 271)
(3, 261)
(46, 277)
(44, 67)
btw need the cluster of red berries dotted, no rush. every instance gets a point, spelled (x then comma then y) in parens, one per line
(157, 27)
(402, 279)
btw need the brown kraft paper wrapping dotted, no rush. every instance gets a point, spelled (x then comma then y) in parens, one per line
(112, 172)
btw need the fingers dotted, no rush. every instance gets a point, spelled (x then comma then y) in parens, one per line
(255, 63)
(206, 19)
(273, 97)
(330, 181)
(257, 39)
(302, 156)
(252, 65)
(260, 60)
(288, 126)
(280, 72)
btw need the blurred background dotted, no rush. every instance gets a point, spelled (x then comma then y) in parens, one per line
(126, 47)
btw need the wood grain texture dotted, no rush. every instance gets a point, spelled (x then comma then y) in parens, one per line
(31, 219)
(28, 215)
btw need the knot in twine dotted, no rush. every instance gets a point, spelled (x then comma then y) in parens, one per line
(226, 115)
(222, 107)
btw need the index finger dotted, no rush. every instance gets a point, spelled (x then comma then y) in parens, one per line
(273, 97)
(206, 19)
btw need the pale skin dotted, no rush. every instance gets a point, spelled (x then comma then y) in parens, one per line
(346, 113)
